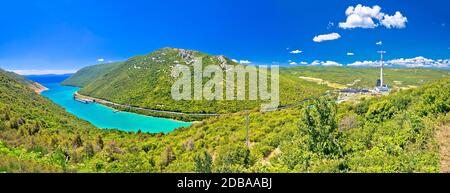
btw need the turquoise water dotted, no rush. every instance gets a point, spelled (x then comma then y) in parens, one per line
(104, 117)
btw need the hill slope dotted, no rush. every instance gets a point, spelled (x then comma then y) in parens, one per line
(25, 117)
(89, 74)
(146, 81)
(387, 134)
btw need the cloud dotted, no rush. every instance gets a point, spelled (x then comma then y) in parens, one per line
(303, 63)
(361, 16)
(330, 63)
(326, 37)
(395, 21)
(234, 60)
(364, 64)
(245, 62)
(417, 62)
(379, 43)
(371, 17)
(350, 54)
(296, 52)
(315, 63)
(100, 60)
(293, 63)
(42, 72)
(324, 63)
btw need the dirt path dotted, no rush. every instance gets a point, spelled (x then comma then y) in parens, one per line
(273, 153)
(443, 138)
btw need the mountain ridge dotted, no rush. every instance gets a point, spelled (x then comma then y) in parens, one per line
(146, 80)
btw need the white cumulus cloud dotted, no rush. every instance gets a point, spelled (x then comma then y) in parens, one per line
(326, 37)
(350, 54)
(370, 17)
(364, 64)
(296, 52)
(417, 62)
(325, 63)
(245, 62)
(395, 21)
(100, 60)
(293, 63)
(330, 63)
(361, 16)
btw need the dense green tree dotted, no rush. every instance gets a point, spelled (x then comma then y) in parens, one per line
(203, 162)
(318, 122)
(233, 158)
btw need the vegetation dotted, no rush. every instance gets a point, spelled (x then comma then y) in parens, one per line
(90, 73)
(365, 78)
(392, 133)
(146, 81)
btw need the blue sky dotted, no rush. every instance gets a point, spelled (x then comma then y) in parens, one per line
(66, 35)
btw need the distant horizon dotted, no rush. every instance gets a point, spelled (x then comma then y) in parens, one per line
(42, 72)
(417, 62)
(57, 73)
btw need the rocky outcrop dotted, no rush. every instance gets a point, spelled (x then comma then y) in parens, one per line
(223, 63)
(185, 54)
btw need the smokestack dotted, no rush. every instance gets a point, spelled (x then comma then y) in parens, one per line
(381, 70)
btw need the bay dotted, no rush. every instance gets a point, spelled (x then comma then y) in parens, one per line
(102, 116)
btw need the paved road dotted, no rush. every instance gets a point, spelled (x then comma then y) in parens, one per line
(102, 101)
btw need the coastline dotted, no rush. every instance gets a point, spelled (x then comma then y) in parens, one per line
(38, 88)
(173, 115)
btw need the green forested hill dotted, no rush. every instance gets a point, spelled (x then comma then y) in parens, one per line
(392, 133)
(146, 81)
(89, 74)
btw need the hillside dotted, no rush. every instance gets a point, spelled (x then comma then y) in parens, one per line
(146, 81)
(25, 115)
(89, 74)
(389, 134)
(30, 84)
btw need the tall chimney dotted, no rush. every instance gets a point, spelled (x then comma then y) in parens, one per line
(381, 70)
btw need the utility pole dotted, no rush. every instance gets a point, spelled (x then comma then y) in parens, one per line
(246, 124)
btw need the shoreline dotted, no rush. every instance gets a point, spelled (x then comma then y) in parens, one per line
(172, 115)
(38, 88)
